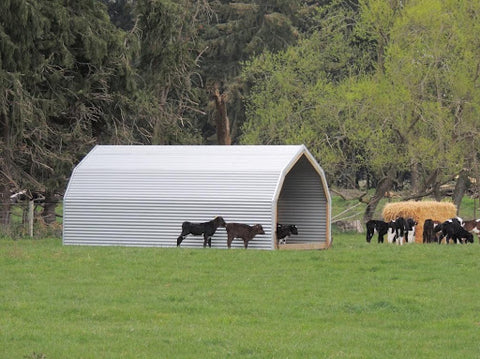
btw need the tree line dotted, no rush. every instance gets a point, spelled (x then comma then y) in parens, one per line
(387, 92)
(384, 92)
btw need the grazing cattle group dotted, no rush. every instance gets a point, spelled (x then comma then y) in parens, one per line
(453, 229)
(234, 230)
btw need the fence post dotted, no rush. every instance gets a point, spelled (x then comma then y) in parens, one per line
(31, 208)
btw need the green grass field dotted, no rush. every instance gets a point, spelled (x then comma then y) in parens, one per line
(355, 300)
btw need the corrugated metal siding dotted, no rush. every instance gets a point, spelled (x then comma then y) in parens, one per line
(157, 223)
(140, 195)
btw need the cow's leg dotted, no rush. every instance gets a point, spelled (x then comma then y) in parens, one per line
(229, 240)
(447, 239)
(245, 243)
(390, 236)
(369, 235)
(380, 238)
(205, 239)
(185, 232)
(440, 237)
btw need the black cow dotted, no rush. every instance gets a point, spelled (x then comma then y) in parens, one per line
(429, 235)
(380, 226)
(452, 229)
(284, 231)
(208, 229)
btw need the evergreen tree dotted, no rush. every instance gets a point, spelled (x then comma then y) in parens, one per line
(65, 84)
(236, 32)
(168, 64)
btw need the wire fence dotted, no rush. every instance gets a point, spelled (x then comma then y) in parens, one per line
(24, 220)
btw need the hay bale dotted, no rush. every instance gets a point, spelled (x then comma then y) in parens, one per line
(419, 211)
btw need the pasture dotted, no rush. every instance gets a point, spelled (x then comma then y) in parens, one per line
(355, 300)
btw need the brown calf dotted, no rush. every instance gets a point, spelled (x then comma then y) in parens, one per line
(473, 226)
(243, 231)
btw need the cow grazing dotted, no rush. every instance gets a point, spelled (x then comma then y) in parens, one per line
(243, 231)
(452, 229)
(284, 231)
(208, 229)
(380, 227)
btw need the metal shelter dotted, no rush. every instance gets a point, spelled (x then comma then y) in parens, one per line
(140, 195)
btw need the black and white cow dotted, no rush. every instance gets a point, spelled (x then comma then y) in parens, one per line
(401, 227)
(380, 227)
(284, 231)
(452, 229)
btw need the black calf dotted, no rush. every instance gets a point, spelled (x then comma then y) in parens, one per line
(208, 229)
(429, 235)
(452, 229)
(380, 226)
(284, 231)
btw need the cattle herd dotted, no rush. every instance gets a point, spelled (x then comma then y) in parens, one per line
(397, 231)
(234, 230)
(401, 230)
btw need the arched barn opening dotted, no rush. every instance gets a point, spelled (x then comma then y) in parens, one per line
(141, 195)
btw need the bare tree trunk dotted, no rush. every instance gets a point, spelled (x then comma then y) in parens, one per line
(4, 205)
(437, 194)
(221, 118)
(460, 189)
(48, 213)
(158, 137)
(384, 185)
(415, 178)
(4, 190)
